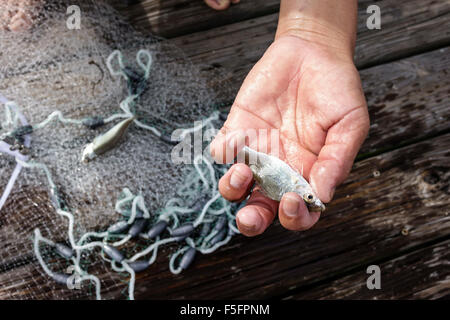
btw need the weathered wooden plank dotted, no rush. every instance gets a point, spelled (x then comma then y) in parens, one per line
(408, 27)
(407, 100)
(392, 85)
(172, 18)
(365, 223)
(412, 83)
(422, 274)
(405, 17)
(235, 48)
(420, 81)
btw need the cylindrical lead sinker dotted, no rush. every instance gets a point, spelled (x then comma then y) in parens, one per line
(223, 116)
(136, 82)
(219, 237)
(181, 238)
(119, 227)
(205, 230)
(184, 230)
(63, 250)
(22, 131)
(139, 265)
(113, 253)
(221, 222)
(199, 206)
(167, 139)
(139, 213)
(93, 122)
(157, 229)
(187, 259)
(137, 227)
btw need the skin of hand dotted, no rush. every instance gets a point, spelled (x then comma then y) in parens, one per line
(220, 4)
(307, 87)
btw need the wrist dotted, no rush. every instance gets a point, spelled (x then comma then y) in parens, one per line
(330, 24)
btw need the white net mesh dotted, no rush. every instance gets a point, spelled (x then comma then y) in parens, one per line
(48, 67)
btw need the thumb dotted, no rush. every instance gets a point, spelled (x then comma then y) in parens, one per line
(336, 158)
(325, 176)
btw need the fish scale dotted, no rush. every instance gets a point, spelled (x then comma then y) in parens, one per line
(276, 177)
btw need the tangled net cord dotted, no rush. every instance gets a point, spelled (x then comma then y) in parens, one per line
(216, 214)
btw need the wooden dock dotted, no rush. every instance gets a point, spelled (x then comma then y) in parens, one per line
(393, 210)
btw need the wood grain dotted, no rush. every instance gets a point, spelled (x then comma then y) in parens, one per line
(421, 274)
(170, 18)
(408, 27)
(365, 223)
(393, 208)
(407, 100)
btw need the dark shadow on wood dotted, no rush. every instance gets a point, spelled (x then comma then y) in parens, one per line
(171, 18)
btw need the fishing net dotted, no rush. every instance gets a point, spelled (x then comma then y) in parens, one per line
(92, 118)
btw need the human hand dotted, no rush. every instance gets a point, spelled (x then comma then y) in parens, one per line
(312, 94)
(220, 4)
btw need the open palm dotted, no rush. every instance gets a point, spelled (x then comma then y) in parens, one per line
(313, 97)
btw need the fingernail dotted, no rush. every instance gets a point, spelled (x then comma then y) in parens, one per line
(290, 206)
(238, 177)
(249, 220)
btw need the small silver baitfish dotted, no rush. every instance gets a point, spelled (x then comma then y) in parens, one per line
(106, 141)
(276, 178)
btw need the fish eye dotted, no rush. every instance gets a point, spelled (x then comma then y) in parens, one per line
(309, 198)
